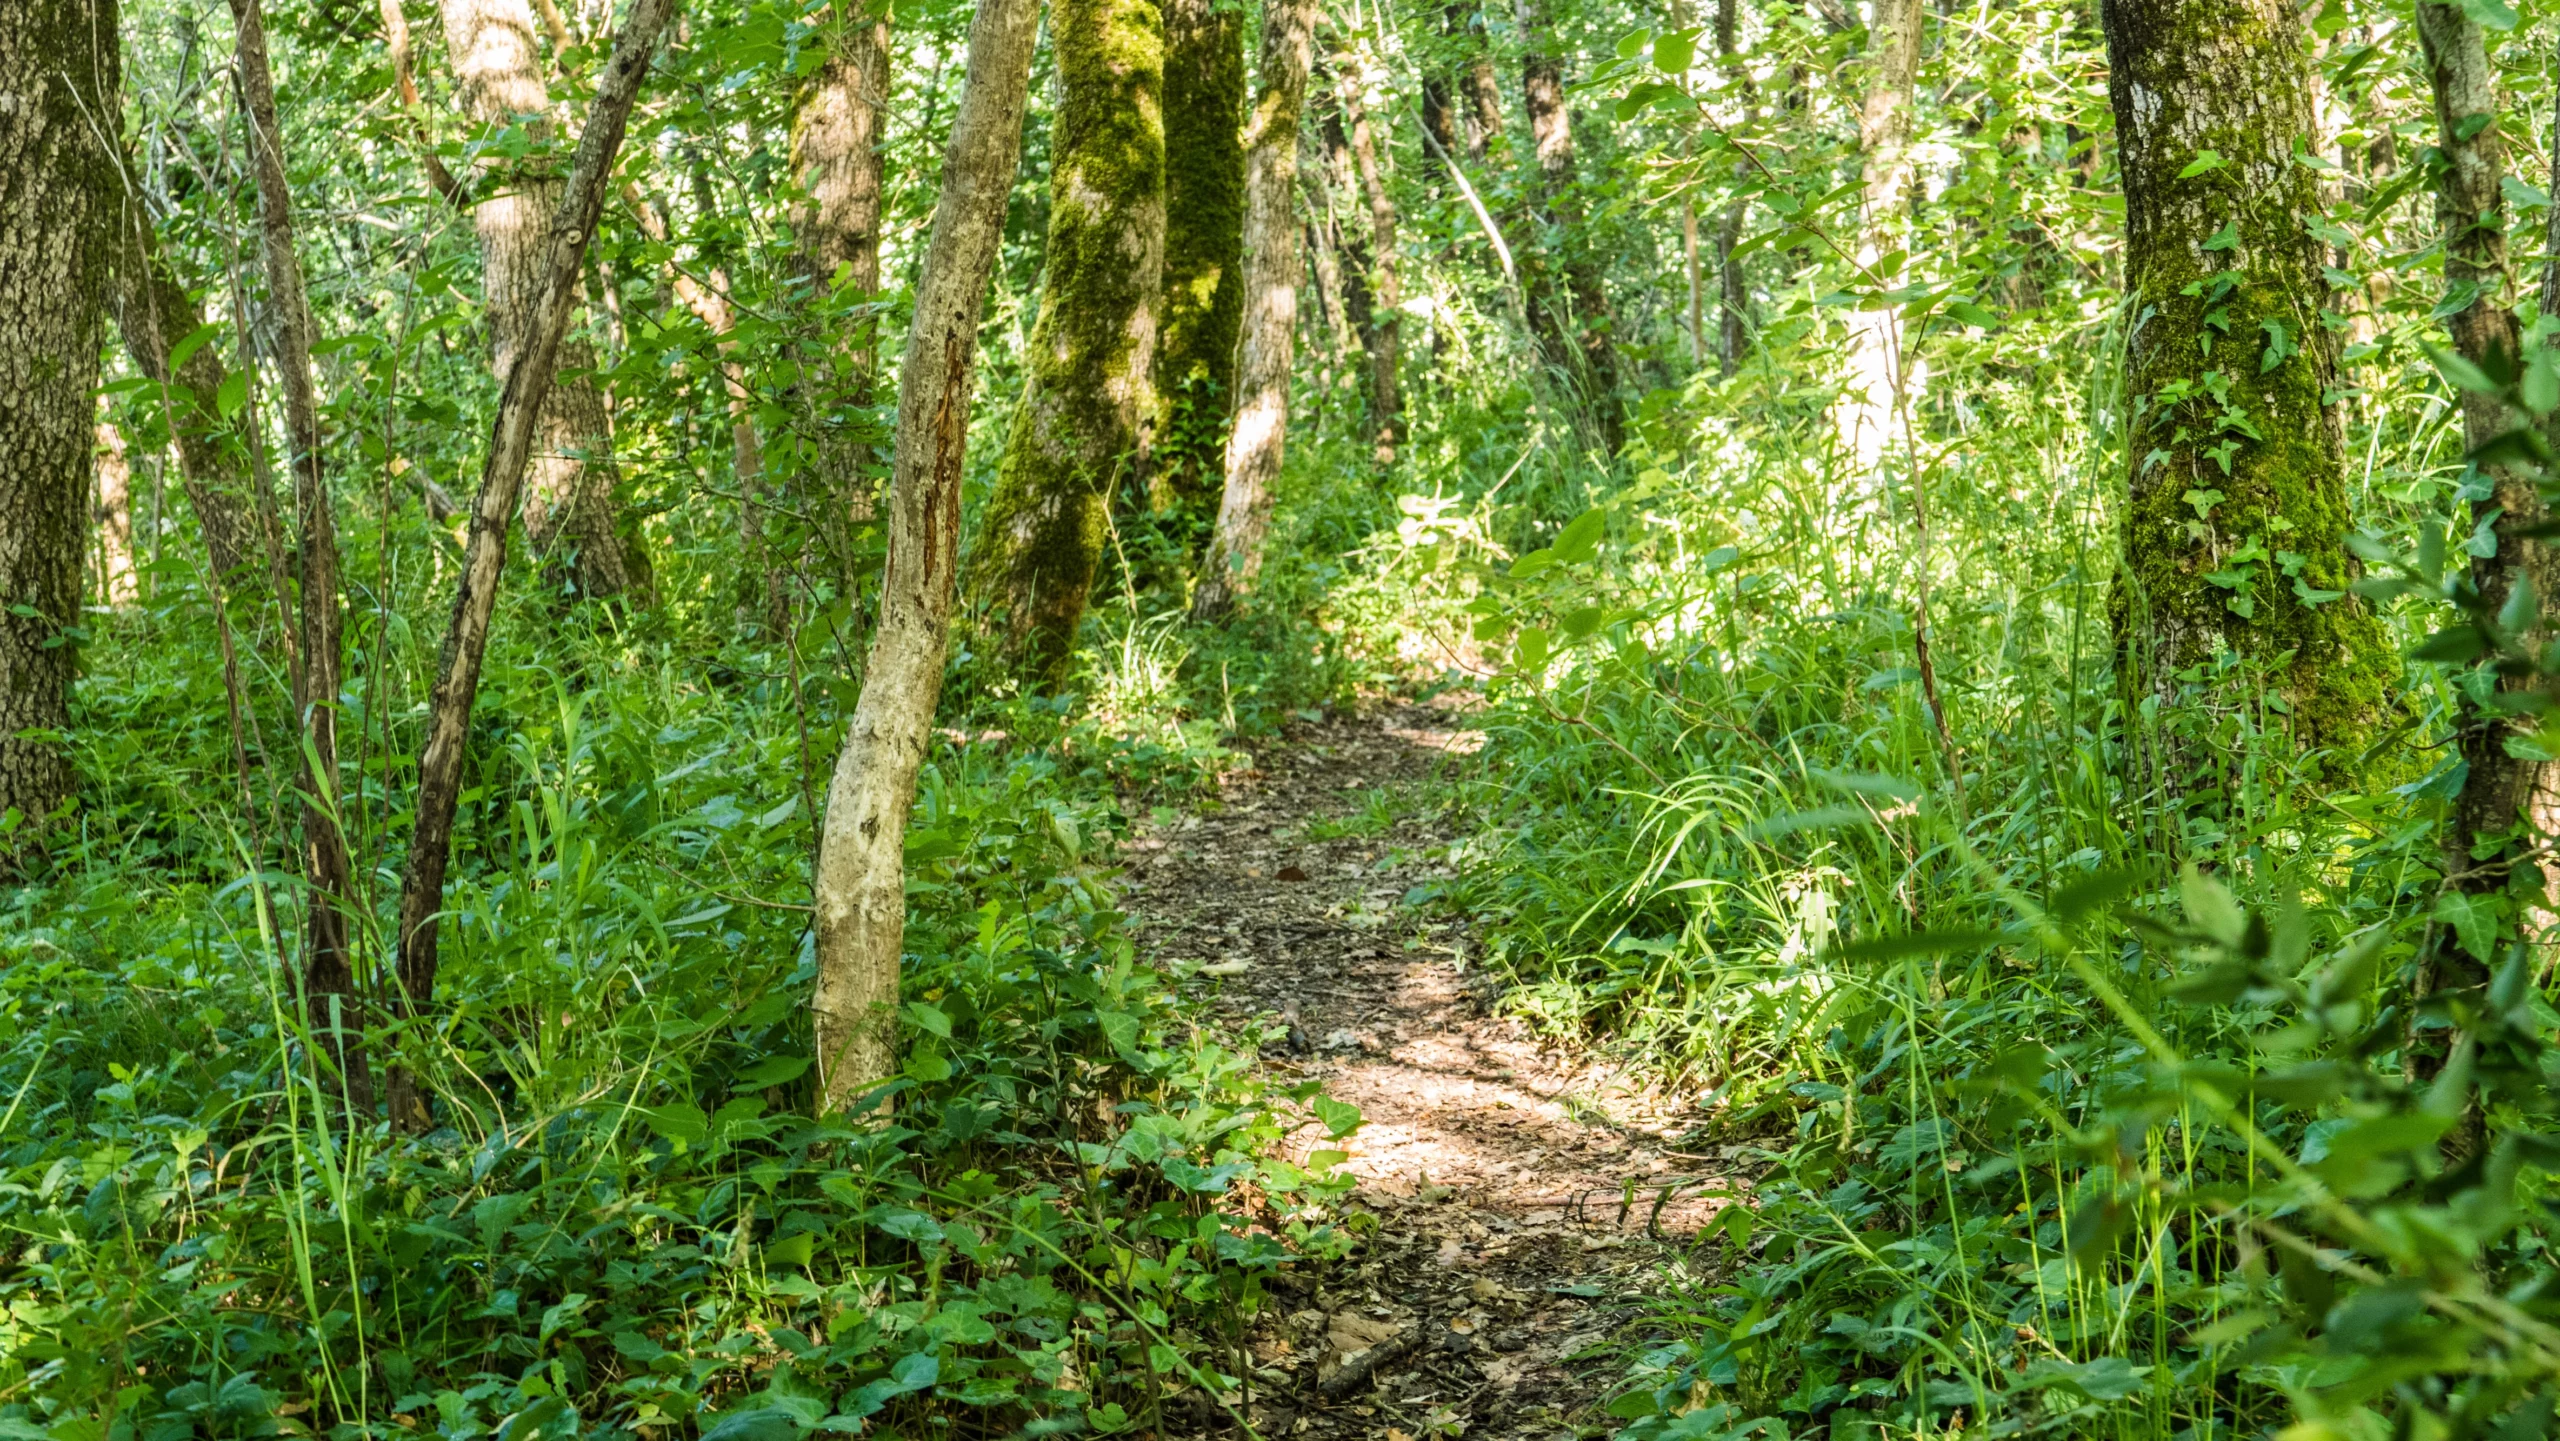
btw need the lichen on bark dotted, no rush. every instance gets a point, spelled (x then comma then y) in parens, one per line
(1089, 404)
(2236, 510)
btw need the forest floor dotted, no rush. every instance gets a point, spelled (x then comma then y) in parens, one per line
(1523, 1197)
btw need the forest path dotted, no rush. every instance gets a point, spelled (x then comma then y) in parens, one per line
(1523, 1200)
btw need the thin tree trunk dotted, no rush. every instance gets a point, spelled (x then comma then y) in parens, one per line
(2186, 76)
(511, 444)
(1342, 254)
(860, 881)
(1089, 405)
(1256, 446)
(1486, 128)
(155, 314)
(1203, 307)
(113, 520)
(395, 42)
(1733, 288)
(1879, 371)
(836, 139)
(58, 215)
(570, 511)
(328, 968)
(1567, 304)
(1386, 289)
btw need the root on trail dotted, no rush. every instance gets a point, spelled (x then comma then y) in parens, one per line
(1522, 1201)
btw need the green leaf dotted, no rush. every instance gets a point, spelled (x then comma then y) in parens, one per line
(1673, 53)
(2205, 160)
(2211, 907)
(931, 1019)
(184, 350)
(2225, 238)
(771, 1071)
(2461, 373)
(683, 1122)
(1581, 539)
(2474, 920)
(792, 1250)
(2089, 894)
(1340, 1118)
(1822, 819)
(1919, 943)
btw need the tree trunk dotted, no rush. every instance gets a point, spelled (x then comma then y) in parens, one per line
(1733, 290)
(1203, 306)
(512, 439)
(58, 214)
(328, 970)
(1342, 249)
(155, 314)
(1386, 289)
(1088, 406)
(570, 510)
(1568, 309)
(1486, 128)
(836, 138)
(860, 882)
(2235, 458)
(1878, 390)
(114, 520)
(1255, 447)
(404, 82)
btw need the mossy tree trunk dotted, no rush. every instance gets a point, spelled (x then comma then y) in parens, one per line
(1089, 406)
(59, 199)
(2236, 512)
(1386, 285)
(836, 136)
(1203, 308)
(1869, 414)
(1255, 447)
(570, 510)
(860, 882)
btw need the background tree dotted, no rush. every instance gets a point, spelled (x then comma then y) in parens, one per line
(837, 137)
(1568, 305)
(1880, 371)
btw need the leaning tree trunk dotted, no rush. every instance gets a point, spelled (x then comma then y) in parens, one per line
(836, 138)
(570, 510)
(1568, 307)
(1386, 288)
(58, 217)
(860, 882)
(155, 314)
(1089, 403)
(1255, 446)
(1868, 415)
(2235, 458)
(512, 440)
(1203, 307)
(328, 969)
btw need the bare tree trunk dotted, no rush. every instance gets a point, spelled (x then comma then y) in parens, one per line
(1089, 405)
(570, 511)
(511, 444)
(58, 213)
(836, 138)
(1256, 446)
(860, 883)
(1568, 307)
(328, 969)
(1879, 371)
(154, 313)
(1386, 290)
(113, 519)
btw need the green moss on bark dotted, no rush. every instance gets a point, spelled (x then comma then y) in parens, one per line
(1204, 94)
(1090, 403)
(2236, 511)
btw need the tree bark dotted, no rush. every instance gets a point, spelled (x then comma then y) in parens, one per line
(2235, 457)
(1203, 307)
(1256, 446)
(570, 510)
(511, 444)
(404, 82)
(117, 587)
(860, 881)
(1386, 289)
(155, 315)
(328, 969)
(1342, 249)
(59, 200)
(1879, 379)
(836, 138)
(1089, 404)
(1486, 127)
(1733, 288)
(1568, 307)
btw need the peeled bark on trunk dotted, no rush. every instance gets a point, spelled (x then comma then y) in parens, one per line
(2235, 460)
(860, 881)
(570, 511)
(328, 964)
(836, 138)
(1089, 403)
(1878, 390)
(113, 520)
(512, 439)
(1255, 448)
(59, 199)
(155, 315)
(1203, 308)
(1386, 288)
(1568, 308)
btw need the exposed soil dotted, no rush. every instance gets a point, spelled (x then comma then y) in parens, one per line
(1522, 1198)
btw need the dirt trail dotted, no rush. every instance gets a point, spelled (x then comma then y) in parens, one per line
(1521, 1200)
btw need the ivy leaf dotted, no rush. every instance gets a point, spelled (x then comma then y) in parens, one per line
(2205, 160)
(2280, 345)
(2225, 238)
